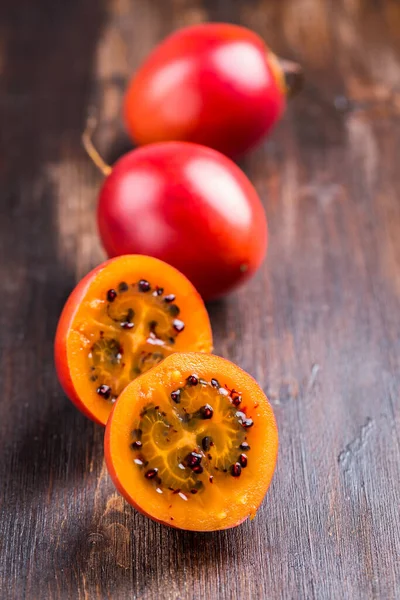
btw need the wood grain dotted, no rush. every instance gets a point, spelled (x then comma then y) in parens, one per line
(318, 326)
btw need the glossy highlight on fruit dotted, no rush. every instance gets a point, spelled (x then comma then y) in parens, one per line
(183, 452)
(123, 318)
(189, 206)
(215, 84)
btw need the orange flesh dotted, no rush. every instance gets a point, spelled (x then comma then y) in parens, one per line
(201, 459)
(134, 313)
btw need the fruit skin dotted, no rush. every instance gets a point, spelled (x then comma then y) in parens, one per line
(61, 360)
(118, 432)
(189, 206)
(213, 84)
(60, 342)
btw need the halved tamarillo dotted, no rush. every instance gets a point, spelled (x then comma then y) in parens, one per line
(123, 318)
(193, 443)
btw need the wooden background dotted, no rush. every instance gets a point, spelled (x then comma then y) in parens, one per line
(319, 326)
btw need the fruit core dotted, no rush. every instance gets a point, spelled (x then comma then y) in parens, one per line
(197, 436)
(130, 330)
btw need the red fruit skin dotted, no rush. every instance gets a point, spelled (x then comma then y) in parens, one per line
(189, 206)
(60, 342)
(211, 84)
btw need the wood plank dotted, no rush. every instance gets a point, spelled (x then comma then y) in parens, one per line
(318, 326)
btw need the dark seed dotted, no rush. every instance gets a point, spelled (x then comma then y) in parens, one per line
(198, 470)
(137, 434)
(136, 445)
(144, 286)
(214, 383)
(130, 314)
(206, 443)
(111, 295)
(243, 420)
(176, 396)
(169, 298)
(174, 310)
(236, 400)
(104, 391)
(158, 291)
(193, 491)
(178, 325)
(127, 325)
(193, 460)
(123, 287)
(211, 479)
(192, 380)
(209, 456)
(171, 340)
(151, 473)
(152, 325)
(236, 469)
(206, 411)
(93, 378)
(243, 460)
(244, 446)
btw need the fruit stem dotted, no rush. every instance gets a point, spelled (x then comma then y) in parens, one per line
(293, 75)
(87, 142)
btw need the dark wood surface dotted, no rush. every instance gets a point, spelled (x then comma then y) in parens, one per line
(319, 326)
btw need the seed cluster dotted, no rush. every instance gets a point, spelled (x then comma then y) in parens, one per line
(106, 354)
(199, 460)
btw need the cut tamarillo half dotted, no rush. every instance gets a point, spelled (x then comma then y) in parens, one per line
(123, 318)
(193, 443)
